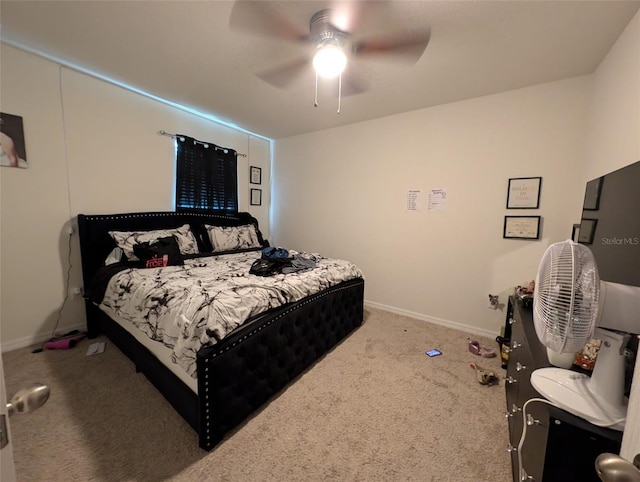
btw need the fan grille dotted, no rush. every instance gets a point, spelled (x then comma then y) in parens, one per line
(566, 297)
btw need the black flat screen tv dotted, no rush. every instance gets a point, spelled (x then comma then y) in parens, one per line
(610, 224)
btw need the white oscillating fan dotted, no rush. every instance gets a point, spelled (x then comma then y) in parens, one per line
(569, 303)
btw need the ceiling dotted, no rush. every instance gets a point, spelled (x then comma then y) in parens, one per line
(185, 52)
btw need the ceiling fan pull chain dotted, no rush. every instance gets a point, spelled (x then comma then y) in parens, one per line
(315, 104)
(339, 91)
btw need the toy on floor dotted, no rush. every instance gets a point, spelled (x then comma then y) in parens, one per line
(63, 342)
(474, 347)
(485, 376)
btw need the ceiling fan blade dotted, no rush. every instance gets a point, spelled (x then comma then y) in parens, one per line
(407, 47)
(353, 83)
(353, 15)
(283, 75)
(264, 19)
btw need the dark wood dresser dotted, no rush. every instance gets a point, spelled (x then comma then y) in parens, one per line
(558, 446)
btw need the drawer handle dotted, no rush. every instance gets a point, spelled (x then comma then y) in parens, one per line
(532, 421)
(515, 408)
(508, 414)
(511, 448)
(515, 345)
(510, 379)
(524, 476)
(520, 367)
(512, 321)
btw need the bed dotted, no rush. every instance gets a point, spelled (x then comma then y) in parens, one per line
(233, 373)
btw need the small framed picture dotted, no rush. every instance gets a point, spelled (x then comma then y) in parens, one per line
(587, 230)
(12, 148)
(521, 227)
(255, 175)
(575, 233)
(256, 197)
(592, 194)
(524, 193)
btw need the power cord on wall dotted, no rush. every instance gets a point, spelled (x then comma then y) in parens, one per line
(72, 333)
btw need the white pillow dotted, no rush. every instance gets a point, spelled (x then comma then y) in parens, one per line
(127, 239)
(229, 238)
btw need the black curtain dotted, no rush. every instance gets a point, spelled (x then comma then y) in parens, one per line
(206, 177)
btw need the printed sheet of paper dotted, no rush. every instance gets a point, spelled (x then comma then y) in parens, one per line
(437, 200)
(414, 198)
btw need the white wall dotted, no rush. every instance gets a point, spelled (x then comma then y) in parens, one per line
(614, 122)
(33, 203)
(92, 147)
(114, 147)
(341, 192)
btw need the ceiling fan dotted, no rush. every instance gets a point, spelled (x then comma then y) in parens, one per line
(330, 41)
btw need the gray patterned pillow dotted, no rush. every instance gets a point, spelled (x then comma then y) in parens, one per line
(229, 238)
(127, 239)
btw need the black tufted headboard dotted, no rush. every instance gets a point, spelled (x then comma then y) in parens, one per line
(96, 243)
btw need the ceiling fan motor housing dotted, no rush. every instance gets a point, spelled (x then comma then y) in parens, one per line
(323, 32)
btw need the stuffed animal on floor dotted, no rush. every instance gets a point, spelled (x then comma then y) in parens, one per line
(485, 377)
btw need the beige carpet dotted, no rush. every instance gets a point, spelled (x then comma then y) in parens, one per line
(376, 408)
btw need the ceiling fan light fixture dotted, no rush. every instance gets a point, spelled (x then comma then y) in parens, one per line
(329, 61)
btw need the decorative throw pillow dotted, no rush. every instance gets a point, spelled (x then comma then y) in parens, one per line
(159, 252)
(229, 238)
(127, 239)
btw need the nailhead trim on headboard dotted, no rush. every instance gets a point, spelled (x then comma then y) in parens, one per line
(94, 217)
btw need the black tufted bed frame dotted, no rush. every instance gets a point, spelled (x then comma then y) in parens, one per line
(243, 371)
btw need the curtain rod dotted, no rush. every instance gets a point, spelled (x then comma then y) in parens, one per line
(206, 144)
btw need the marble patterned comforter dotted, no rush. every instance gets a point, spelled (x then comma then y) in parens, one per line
(198, 304)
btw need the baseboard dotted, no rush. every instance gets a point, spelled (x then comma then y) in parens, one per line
(431, 319)
(37, 339)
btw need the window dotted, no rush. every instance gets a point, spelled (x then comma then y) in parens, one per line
(206, 177)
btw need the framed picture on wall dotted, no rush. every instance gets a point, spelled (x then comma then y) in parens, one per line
(12, 148)
(256, 197)
(524, 193)
(592, 194)
(575, 233)
(521, 227)
(587, 230)
(255, 175)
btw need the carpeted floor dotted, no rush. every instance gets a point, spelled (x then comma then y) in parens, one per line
(376, 408)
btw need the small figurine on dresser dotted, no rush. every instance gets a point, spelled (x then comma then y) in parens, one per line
(525, 294)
